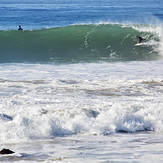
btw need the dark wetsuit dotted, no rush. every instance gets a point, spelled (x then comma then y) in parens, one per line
(140, 39)
(20, 28)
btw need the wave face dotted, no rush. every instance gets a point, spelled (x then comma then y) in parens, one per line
(79, 43)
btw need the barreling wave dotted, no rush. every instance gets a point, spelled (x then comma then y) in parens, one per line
(79, 43)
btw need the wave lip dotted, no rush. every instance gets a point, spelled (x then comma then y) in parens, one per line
(80, 43)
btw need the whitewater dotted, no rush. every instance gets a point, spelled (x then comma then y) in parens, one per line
(73, 85)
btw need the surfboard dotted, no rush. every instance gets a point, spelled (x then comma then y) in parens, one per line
(139, 44)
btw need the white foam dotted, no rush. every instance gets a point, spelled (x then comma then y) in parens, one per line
(47, 101)
(157, 40)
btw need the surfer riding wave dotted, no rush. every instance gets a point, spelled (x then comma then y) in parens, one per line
(139, 39)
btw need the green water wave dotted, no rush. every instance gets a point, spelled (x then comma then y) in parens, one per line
(75, 43)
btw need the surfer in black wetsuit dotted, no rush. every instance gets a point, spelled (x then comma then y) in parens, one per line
(20, 28)
(140, 39)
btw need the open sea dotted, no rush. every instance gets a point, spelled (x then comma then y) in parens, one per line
(74, 88)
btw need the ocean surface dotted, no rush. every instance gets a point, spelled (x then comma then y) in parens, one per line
(74, 88)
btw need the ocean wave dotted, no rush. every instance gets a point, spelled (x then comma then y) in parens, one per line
(36, 124)
(81, 43)
(45, 101)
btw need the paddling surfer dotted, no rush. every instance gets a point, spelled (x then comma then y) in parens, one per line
(20, 28)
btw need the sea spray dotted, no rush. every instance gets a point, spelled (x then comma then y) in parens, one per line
(156, 39)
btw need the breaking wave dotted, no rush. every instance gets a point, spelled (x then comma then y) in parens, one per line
(81, 43)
